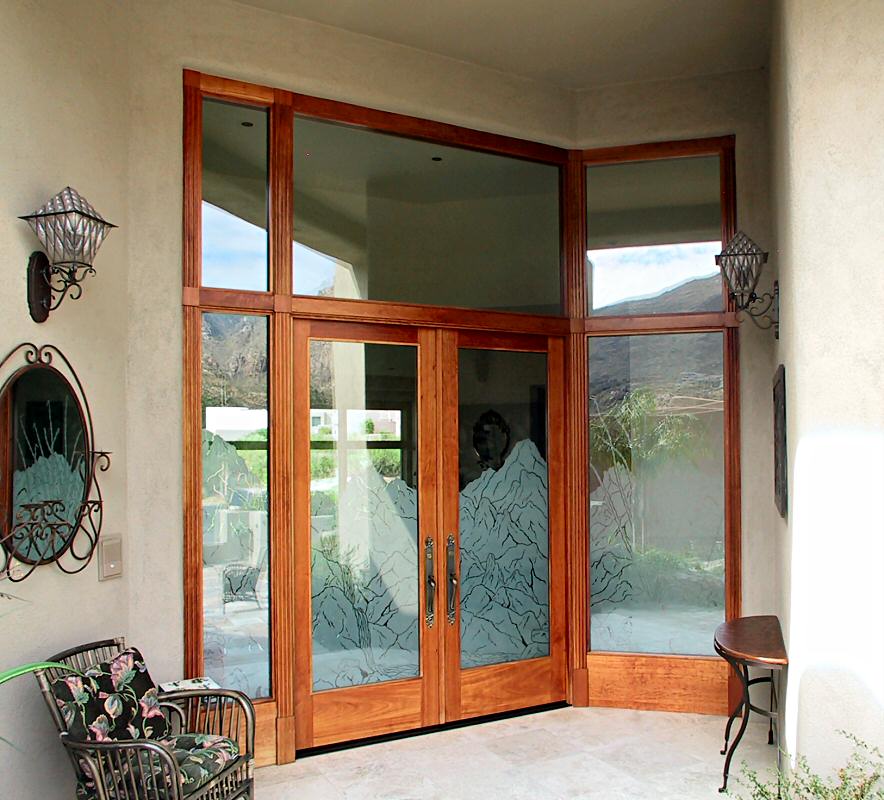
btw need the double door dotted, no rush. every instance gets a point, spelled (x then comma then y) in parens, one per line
(429, 530)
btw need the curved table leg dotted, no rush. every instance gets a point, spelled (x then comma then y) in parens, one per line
(743, 674)
(730, 723)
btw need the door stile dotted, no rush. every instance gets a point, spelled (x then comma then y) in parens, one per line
(450, 527)
(301, 530)
(557, 465)
(428, 528)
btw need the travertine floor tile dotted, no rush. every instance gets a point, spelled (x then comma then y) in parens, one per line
(565, 754)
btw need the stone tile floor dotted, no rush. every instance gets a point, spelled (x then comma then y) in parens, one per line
(564, 754)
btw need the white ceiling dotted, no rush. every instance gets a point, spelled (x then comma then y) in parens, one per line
(575, 44)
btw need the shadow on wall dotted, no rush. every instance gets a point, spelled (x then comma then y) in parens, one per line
(836, 632)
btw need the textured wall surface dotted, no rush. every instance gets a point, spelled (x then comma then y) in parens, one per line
(64, 120)
(827, 113)
(105, 116)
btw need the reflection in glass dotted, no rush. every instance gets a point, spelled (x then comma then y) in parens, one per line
(381, 217)
(364, 513)
(504, 508)
(653, 231)
(236, 633)
(656, 506)
(234, 206)
(43, 477)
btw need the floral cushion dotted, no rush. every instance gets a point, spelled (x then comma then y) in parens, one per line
(112, 701)
(201, 756)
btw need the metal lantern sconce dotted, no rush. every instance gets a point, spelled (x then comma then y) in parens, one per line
(71, 231)
(741, 263)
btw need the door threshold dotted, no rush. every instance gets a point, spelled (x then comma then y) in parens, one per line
(447, 726)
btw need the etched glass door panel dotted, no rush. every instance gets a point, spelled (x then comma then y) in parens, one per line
(364, 513)
(656, 503)
(503, 506)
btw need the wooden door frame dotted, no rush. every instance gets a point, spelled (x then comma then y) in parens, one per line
(286, 312)
(389, 706)
(480, 691)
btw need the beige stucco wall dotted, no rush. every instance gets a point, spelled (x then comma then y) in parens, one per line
(827, 114)
(105, 116)
(64, 116)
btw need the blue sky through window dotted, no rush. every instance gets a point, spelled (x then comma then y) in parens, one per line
(630, 273)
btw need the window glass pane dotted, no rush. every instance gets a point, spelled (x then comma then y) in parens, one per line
(504, 507)
(236, 576)
(381, 217)
(656, 506)
(364, 514)
(653, 231)
(234, 207)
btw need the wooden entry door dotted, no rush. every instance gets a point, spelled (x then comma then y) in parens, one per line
(367, 648)
(502, 518)
(429, 527)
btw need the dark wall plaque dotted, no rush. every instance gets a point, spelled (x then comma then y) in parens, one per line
(781, 465)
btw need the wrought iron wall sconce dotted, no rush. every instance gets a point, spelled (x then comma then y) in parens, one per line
(741, 263)
(71, 231)
(50, 502)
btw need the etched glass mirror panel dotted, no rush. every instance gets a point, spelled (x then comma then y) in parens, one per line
(363, 513)
(504, 506)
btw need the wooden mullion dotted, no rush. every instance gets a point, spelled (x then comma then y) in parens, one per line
(647, 151)
(193, 532)
(692, 322)
(281, 223)
(577, 466)
(574, 236)
(374, 311)
(193, 181)
(282, 534)
(430, 130)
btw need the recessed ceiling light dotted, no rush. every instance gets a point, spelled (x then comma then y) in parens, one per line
(248, 124)
(437, 158)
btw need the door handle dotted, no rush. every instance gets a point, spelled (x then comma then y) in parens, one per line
(430, 583)
(451, 564)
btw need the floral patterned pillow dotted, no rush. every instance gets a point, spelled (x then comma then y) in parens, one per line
(112, 701)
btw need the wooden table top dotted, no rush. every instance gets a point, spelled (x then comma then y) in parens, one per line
(754, 640)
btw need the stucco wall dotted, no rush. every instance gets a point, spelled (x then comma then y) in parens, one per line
(827, 114)
(63, 122)
(105, 116)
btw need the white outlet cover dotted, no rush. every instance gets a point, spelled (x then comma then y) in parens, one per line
(110, 557)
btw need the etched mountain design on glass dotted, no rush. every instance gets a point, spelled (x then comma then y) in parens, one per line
(504, 566)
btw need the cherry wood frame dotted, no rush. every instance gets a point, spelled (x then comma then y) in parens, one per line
(621, 679)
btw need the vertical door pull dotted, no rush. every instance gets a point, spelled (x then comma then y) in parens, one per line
(452, 579)
(430, 572)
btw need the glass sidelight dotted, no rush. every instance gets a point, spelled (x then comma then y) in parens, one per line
(656, 504)
(503, 506)
(363, 513)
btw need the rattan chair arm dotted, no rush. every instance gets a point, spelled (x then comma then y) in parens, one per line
(223, 712)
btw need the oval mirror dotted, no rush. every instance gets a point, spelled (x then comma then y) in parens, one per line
(44, 469)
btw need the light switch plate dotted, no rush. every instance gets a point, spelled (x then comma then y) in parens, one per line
(110, 557)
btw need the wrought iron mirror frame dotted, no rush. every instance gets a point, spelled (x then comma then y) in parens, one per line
(43, 521)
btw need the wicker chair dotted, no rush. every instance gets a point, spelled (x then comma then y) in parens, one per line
(146, 769)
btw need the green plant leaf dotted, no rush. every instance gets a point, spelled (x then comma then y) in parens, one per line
(25, 669)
